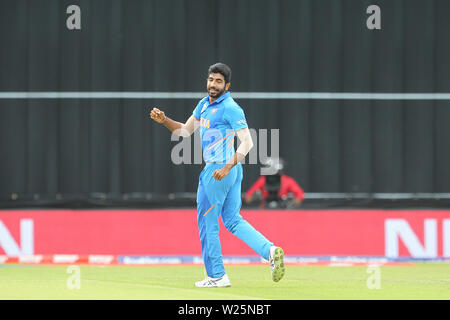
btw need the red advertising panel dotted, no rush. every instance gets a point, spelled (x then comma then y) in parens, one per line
(391, 233)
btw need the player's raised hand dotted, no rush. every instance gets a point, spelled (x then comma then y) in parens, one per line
(157, 115)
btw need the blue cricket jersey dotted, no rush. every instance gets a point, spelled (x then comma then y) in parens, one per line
(218, 123)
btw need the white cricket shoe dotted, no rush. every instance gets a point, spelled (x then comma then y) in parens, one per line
(209, 282)
(276, 256)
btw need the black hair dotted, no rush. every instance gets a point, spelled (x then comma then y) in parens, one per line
(221, 68)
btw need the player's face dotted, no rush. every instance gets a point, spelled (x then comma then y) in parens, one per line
(215, 84)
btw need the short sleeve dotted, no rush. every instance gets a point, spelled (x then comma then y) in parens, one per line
(198, 109)
(235, 116)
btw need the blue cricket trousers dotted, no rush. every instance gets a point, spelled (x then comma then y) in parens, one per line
(223, 198)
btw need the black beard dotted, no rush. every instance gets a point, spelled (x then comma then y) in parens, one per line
(218, 94)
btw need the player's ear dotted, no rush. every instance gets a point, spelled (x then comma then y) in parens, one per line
(227, 86)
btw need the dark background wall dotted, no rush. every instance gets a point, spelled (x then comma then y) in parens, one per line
(73, 146)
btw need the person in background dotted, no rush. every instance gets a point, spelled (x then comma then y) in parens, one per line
(275, 189)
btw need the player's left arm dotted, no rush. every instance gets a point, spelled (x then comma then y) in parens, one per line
(246, 144)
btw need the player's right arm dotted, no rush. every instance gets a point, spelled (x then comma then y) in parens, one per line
(178, 128)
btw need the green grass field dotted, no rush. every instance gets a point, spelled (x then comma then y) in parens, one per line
(421, 281)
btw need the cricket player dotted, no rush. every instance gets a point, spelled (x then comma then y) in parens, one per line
(220, 119)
